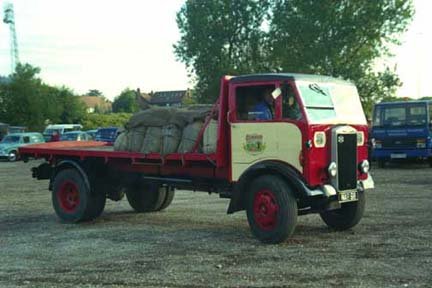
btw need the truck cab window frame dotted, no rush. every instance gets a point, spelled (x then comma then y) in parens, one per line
(291, 104)
(247, 102)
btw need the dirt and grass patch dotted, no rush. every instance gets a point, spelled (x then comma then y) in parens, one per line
(195, 244)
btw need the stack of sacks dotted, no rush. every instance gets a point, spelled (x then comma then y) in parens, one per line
(163, 130)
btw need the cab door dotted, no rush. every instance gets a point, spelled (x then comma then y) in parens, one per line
(255, 138)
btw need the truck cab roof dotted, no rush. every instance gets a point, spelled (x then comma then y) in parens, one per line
(286, 76)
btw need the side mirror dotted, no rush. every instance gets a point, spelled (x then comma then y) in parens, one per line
(276, 93)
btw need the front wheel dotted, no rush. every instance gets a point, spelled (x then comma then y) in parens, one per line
(13, 156)
(347, 216)
(271, 209)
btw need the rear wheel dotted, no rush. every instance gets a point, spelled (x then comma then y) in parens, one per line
(169, 196)
(347, 216)
(146, 197)
(71, 197)
(271, 209)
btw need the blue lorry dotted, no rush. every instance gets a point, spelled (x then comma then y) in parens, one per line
(402, 130)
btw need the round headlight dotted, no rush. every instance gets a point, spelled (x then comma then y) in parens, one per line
(332, 169)
(364, 166)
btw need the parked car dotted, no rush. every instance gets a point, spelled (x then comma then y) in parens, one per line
(108, 134)
(11, 142)
(54, 132)
(75, 136)
(92, 133)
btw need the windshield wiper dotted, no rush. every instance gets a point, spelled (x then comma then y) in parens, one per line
(315, 87)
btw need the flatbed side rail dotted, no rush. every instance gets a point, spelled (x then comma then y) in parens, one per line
(94, 149)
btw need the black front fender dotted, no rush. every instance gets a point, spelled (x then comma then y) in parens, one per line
(285, 171)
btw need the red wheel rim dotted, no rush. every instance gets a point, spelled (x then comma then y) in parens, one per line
(265, 209)
(68, 197)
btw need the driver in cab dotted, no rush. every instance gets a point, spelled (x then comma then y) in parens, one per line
(264, 109)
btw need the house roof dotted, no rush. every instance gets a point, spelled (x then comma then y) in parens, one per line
(93, 101)
(168, 97)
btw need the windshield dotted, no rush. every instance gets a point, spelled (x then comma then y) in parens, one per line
(11, 139)
(328, 103)
(399, 115)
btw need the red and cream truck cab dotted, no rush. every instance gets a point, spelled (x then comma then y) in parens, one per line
(287, 145)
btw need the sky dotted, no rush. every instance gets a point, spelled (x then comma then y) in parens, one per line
(113, 45)
(413, 58)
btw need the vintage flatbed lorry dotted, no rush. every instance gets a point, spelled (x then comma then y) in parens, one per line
(308, 156)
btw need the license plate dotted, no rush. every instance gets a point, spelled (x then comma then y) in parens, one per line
(346, 196)
(398, 156)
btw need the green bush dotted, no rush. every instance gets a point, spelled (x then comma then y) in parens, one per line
(94, 121)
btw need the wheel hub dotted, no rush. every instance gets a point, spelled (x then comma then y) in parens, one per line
(68, 197)
(265, 209)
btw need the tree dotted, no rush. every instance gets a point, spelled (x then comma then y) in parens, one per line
(221, 37)
(27, 101)
(125, 102)
(379, 86)
(341, 39)
(94, 92)
(336, 38)
(73, 109)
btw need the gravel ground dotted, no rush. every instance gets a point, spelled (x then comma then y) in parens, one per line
(195, 244)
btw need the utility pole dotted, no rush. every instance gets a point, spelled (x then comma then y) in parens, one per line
(9, 18)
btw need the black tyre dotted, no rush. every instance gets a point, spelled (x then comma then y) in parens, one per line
(271, 209)
(145, 197)
(169, 196)
(98, 205)
(13, 156)
(71, 197)
(347, 216)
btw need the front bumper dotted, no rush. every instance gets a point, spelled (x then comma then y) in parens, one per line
(327, 190)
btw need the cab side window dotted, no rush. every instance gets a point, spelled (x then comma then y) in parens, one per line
(255, 102)
(290, 106)
(26, 139)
